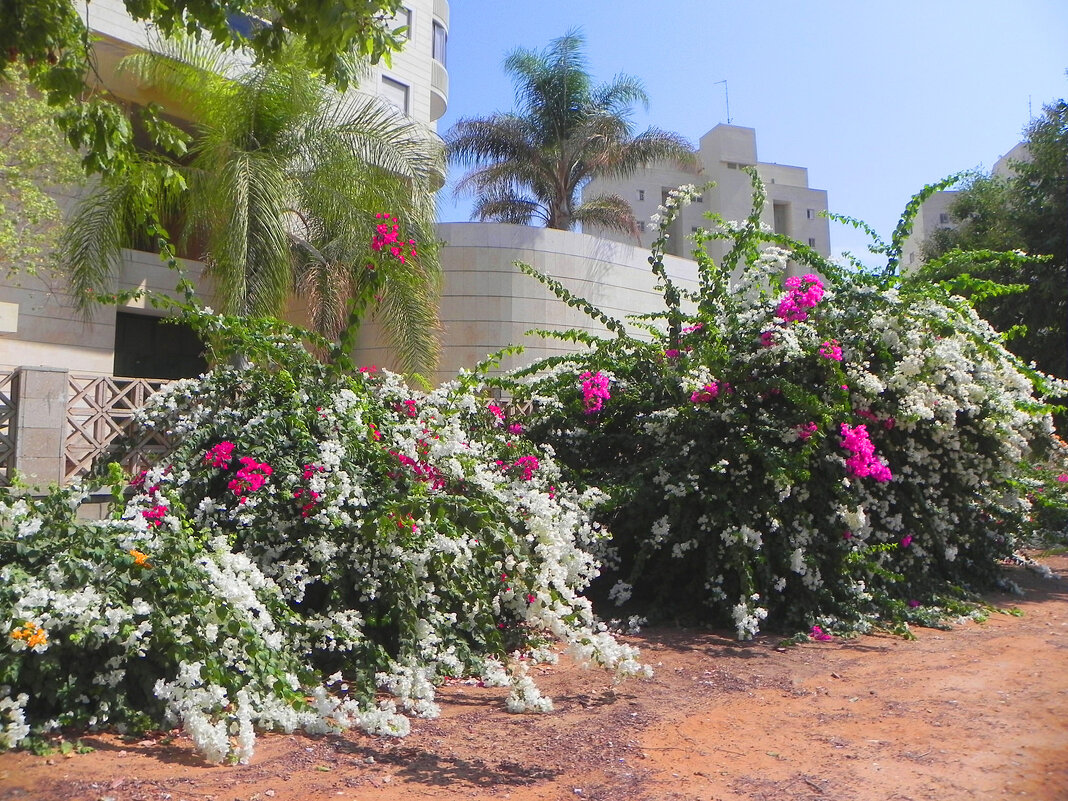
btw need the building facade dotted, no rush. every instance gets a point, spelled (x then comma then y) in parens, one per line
(936, 212)
(38, 324)
(792, 207)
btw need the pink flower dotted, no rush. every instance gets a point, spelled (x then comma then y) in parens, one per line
(250, 477)
(220, 455)
(705, 393)
(154, 516)
(862, 461)
(819, 634)
(528, 464)
(497, 412)
(515, 428)
(830, 350)
(594, 391)
(803, 292)
(1062, 477)
(847, 535)
(906, 541)
(805, 432)
(767, 339)
(913, 603)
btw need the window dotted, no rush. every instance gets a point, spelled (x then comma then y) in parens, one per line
(781, 217)
(811, 213)
(641, 194)
(812, 241)
(943, 219)
(441, 38)
(403, 19)
(732, 165)
(149, 347)
(395, 93)
(641, 225)
(699, 199)
(694, 229)
(912, 258)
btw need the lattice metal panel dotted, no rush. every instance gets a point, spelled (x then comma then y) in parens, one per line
(7, 426)
(100, 414)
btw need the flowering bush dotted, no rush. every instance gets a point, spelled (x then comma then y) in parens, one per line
(815, 451)
(317, 538)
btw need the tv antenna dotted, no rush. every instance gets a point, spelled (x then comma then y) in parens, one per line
(726, 97)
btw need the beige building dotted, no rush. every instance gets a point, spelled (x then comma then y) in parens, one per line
(38, 326)
(936, 212)
(792, 207)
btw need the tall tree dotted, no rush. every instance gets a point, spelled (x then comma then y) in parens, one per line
(1026, 210)
(282, 183)
(531, 165)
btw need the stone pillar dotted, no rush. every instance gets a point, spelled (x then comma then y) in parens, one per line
(40, 424)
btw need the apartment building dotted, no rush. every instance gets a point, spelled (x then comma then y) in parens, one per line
(38, 326)
(936, 212)
(792, 207)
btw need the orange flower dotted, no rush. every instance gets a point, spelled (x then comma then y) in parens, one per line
(140, 559)
(33, 634)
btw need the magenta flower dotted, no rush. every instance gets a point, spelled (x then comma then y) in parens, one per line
(819, 634)
(862, 461)
(705, 393)
(805, 432)
(220, 455)
(906, 541)
(250, 477)
(830, 350)
(767, 339)
(803, 292)
(594, 391)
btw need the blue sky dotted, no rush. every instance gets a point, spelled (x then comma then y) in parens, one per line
(875, 97)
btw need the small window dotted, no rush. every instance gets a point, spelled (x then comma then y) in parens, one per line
(695, 229)
(731, 165)
(812, 241)
(395, 93)
(912, 258)
(943, 219)
(441, 38)
(641, 225)
(403, 19)
(699, 199)
(811, 213)
(641, 194)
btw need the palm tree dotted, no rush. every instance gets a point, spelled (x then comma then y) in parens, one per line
(531, 165)
(282, 182)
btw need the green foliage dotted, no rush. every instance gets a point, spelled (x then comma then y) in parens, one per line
(1025, 211)
(741, 487)
(317, 539)
(280, 180)
(33, 158)
(49, 38)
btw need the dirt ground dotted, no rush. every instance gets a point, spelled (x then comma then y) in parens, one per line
(977, 712)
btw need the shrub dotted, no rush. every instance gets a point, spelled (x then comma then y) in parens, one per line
(838, 448)
(316, 538)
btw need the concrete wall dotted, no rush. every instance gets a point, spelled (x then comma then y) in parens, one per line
(487, 303)
(49, 331)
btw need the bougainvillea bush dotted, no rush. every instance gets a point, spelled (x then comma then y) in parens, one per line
(319, 551)
(796, 444)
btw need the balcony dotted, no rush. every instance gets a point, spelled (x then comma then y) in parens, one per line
(439, 90)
